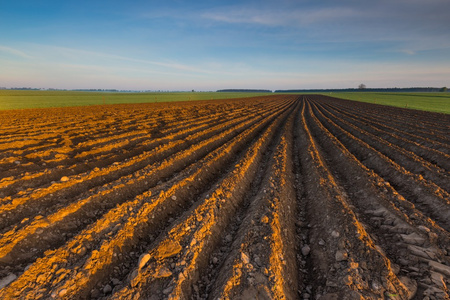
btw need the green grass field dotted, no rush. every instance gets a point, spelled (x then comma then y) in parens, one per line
(436, 102)
(17, 99)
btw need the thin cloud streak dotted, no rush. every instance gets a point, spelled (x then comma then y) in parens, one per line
(52, 53)
(14, 52)
(285, 18)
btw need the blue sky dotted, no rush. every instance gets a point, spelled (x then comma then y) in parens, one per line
(209, 45)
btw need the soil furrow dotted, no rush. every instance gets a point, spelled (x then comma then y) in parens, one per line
(198, 230)
(428, 197)
(411, 128)
(127, 236)
(422, 146)
(275, 197)
(52, 172)
(344, 256)
(431, 120)
(56, 192)
(306, 269)
(403, 233)
(18, 238)
(262, 263)
(409, 160)
(48, 175)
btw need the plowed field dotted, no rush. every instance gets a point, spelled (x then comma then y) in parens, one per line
(279, 197)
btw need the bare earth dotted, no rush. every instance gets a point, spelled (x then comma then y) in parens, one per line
(278, 197)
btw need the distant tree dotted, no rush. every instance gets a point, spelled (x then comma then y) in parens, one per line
(362, 86)
(444, 89)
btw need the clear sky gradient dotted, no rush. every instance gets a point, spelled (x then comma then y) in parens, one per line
(217, 44)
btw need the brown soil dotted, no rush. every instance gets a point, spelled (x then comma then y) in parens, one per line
(278, 197)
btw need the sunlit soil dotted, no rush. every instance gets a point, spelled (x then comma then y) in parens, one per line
(277, 197)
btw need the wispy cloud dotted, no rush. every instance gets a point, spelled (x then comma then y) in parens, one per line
(408, 51)
(400, 21)
(68, 55)
(14, 52)
(284, 17)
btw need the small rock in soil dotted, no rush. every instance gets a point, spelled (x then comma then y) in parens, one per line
(441, 268)
(7, 280)
(133, 275)
(107, 289)
(143, 260)
(163, 272)
(341, 255)
(410, 284)
(432, 236)
(395, 268)
(82, 251)
(245, 258)
(335, 234)
(305, 250)
(228, 238)
(438, 279)
(376, 285)
(95, 293)
(423, 228)
(413, 238)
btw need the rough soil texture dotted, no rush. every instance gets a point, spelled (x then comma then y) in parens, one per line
(279, 197)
